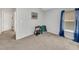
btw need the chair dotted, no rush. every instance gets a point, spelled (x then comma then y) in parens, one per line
(37, 30)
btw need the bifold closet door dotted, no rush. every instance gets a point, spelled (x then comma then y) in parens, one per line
(6, 20)
(14, 22)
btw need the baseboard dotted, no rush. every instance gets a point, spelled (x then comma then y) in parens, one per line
(21, 37)
(53, 34)
(58, 35)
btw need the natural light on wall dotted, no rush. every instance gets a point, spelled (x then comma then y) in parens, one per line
(69, 20)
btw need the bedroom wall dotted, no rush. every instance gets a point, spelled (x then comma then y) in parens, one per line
(24, 23)
(52, 21)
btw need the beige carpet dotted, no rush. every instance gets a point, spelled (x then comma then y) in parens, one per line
(45, 41)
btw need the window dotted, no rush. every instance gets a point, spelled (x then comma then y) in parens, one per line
(69, 18)
(34, 15)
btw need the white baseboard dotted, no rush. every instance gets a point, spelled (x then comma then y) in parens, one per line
(20, 37)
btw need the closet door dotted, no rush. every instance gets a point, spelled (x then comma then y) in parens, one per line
(14, 22)
(6, 20)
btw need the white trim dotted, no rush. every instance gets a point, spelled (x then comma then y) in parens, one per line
(69, 31)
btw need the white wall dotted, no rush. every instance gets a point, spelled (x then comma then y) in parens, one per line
(52, 21)
(24, 23)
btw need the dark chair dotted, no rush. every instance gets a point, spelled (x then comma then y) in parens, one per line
(37, 30)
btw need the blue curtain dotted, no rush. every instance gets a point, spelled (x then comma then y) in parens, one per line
(76, 33)
(61, 31)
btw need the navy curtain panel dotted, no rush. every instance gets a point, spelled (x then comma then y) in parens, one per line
(76, 33)
(61, 31)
